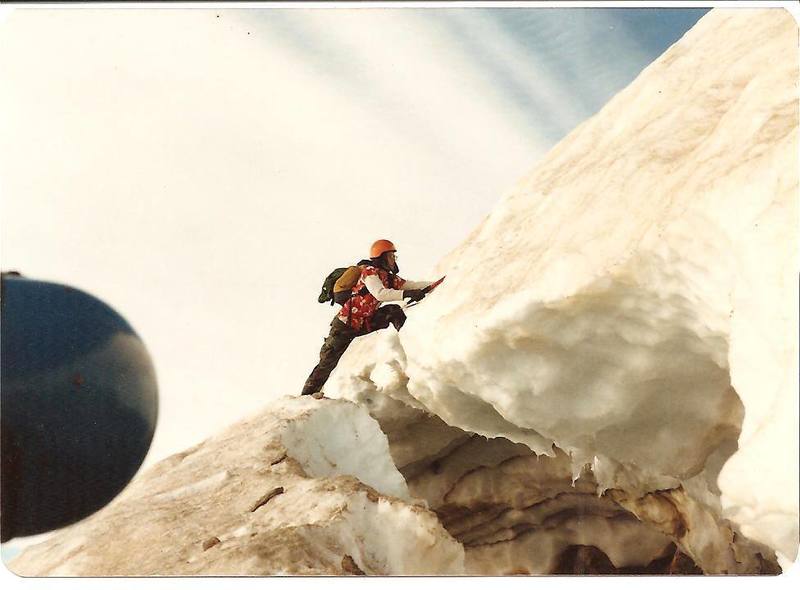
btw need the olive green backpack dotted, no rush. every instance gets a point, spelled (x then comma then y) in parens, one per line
(338, 285)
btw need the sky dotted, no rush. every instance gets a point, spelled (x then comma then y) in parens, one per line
(202, 170)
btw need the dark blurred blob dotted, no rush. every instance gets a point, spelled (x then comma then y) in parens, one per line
(78, 405)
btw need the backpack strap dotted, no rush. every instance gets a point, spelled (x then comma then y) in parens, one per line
(350, 301)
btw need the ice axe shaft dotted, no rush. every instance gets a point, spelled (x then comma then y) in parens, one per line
(427, 290)
(432, 286)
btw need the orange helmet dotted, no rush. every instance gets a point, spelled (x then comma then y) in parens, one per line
(380, 247)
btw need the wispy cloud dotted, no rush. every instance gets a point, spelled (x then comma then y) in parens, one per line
(545, 70)
(404, 66)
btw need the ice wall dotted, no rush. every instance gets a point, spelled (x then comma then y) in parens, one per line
(634, 298)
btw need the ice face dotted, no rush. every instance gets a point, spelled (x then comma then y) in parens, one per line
(339, 439)
(633, 300)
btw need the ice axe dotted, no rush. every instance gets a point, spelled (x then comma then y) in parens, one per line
(427, 290)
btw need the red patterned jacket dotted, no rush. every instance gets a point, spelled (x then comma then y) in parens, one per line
(359, 309)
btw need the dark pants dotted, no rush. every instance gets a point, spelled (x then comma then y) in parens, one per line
(340, 337)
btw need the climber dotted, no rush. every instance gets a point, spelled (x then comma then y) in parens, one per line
(362, 312)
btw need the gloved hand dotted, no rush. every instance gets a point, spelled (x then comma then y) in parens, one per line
(414, 295)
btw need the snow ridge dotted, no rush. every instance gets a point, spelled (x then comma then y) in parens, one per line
(632, 301)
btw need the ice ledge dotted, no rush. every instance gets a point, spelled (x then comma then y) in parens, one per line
(336, 437)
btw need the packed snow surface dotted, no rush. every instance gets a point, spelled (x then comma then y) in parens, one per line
(258, 500)
(325, 448)
(634, 298)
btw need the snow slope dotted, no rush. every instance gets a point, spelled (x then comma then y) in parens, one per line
(260, 499)
(634, 298)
